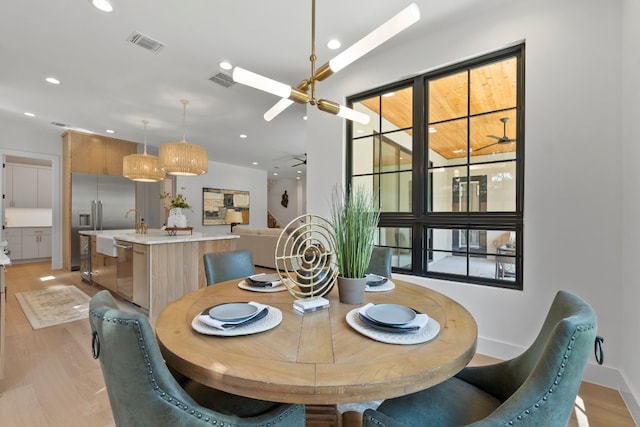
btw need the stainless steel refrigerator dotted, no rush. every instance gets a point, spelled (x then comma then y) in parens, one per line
(99, 202)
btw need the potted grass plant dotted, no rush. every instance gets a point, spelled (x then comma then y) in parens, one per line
(355, 221)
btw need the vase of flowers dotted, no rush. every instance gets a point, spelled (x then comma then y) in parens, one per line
(176, 204)
(355, 221)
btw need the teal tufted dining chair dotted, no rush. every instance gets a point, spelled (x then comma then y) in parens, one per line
(380, 262)
(222, 266)
(143, 392)
(537, 388)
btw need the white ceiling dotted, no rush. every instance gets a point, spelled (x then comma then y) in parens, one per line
(108, 83)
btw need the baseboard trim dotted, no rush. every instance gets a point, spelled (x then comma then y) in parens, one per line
(594, 373)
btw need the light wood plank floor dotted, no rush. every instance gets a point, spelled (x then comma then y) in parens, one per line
(51, 379)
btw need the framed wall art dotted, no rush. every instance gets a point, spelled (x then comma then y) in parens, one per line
(216, 203)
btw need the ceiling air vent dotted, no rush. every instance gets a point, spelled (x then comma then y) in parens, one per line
(223, 79)
(146, 42)
(62, 125)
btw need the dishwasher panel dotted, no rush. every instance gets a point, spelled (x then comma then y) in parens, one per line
(125, 269)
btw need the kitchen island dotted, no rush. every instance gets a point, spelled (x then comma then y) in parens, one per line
(4, 261)
(151, 270)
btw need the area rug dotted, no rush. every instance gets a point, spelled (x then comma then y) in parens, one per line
(54, 305)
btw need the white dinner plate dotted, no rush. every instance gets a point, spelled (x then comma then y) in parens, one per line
(391, 314)
(273, 319)
(233, 311)
(427, 333)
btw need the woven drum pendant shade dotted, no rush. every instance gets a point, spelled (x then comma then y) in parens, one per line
(142, 167)
(182, 157)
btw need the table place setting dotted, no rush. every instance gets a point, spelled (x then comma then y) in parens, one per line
(263, 283)
(393, 324)
(376, 283)
(236, 318)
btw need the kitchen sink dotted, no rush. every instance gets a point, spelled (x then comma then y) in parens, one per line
(105, 245)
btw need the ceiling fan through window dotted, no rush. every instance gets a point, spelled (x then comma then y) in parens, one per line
(305, 91)
(504, 139)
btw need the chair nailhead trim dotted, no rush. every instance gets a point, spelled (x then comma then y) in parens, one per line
(556, 382)
(162, 394)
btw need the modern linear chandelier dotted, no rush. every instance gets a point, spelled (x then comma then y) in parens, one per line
(305, 91)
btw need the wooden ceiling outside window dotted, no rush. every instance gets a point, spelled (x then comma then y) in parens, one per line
(491, 92)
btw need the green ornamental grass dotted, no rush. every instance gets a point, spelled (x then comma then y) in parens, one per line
(355, 221)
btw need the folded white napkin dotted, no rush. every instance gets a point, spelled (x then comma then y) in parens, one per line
(420, 320)
(219, 324)
(263, 284)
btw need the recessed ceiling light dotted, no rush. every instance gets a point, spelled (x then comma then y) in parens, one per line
(299, 171)
(304, 117)
(255, 163)
(275, 173)
(52, 80)
(242, 135)
(225, 65)
(297, 177)
(110, 131)
(29, 114)
(102, 5)
(334, 44)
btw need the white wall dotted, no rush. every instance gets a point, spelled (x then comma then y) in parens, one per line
(295, 189)
(573, 182)
(38, 141)
(630, 315)
(226, 177)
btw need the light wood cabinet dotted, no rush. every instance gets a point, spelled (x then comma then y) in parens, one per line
(87, 153)
(96, 154)
(141, 275)
(27, 186)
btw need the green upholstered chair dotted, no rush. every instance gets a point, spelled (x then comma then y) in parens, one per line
(380, 262)
(221, 266)
(143, 392)
(537, 388)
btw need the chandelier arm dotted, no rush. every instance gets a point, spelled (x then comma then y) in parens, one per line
(312, 58)
(278, 108)
(404, 19)
(342, 111)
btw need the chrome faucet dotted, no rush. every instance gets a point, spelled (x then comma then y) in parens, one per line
(141, 227)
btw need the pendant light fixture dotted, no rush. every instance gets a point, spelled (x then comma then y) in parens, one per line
(142, 167)
(305, 91)
(182, 157)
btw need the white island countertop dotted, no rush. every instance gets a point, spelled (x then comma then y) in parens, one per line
(159, 237)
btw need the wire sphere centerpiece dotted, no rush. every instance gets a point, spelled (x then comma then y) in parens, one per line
(305, 256)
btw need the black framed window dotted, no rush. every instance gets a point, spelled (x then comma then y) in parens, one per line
(444, 156)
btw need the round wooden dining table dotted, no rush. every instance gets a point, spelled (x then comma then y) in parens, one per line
(316, 357)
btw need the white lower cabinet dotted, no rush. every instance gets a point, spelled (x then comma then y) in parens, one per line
(28, 242)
